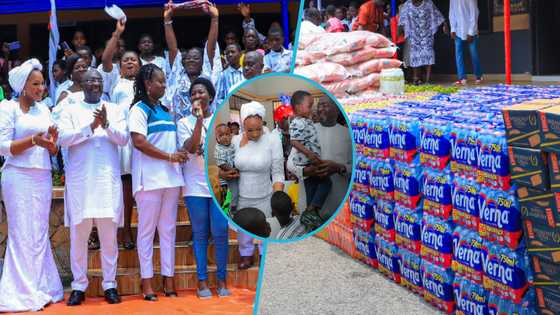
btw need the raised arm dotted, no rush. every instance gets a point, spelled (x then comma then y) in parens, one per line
(248, 21)
(170, 37)
(109, 52)
(214, 13)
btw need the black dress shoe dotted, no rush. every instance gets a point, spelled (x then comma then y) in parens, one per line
(76, 298)
(112, 296)
(150, 297)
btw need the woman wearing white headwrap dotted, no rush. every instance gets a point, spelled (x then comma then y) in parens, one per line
(260, 161)
(30, 278)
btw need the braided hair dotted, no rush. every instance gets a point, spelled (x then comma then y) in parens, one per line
(145, 73)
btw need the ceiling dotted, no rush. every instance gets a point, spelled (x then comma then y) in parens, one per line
(273, 86)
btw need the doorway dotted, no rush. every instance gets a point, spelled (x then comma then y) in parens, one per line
(546, 42)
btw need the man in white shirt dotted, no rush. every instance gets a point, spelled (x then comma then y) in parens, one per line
(336, 153)
(93, 130)
(311, 22)
(463, 17)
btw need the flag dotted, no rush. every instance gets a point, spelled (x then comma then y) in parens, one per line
(54, 38)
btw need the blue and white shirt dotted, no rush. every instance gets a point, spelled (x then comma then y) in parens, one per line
(228, 78)
(160, 130)
(278, 61)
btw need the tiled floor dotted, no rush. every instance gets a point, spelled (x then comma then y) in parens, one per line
(241, 302)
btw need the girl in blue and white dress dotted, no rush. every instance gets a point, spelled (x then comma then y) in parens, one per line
(30, 278)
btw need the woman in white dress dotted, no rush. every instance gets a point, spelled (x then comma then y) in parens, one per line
(260, 161)
(122, 76)
(205, 215)
(30, 278)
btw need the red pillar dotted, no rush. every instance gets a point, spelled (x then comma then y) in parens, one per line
(507, 39)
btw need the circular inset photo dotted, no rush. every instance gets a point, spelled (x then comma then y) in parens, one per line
(279, 157)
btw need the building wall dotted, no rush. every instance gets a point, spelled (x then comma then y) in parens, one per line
(491, 42)
(491, 52)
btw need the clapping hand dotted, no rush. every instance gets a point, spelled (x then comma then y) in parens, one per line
(53, 134)
(100, 117)
(48, 140)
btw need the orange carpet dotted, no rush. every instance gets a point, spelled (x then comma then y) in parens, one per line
(240, 302)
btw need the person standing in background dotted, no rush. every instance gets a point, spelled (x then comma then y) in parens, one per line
(352, 14)
(340, 14)
(333, 24)
(311, 22)
(121, 77)
(371, 17)
(420, 20)
(278, 59)
(463, 17)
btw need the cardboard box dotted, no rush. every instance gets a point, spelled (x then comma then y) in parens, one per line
(545, 269)
(540, 209)
(538, 206)
(523, 124)
(550, 129)
(549, 254)
(524, 192)
(554, 171)
(528, 167)
(542, 237)
(547, 300)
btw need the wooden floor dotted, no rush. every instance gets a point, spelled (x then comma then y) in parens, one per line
(241, 302)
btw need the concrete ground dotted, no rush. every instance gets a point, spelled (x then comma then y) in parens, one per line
(314, 277)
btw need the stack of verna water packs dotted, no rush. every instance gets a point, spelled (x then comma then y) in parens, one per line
(434, 197)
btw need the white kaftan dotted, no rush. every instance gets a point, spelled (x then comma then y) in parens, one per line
(93, 181)
(30, 278)
(260, 164)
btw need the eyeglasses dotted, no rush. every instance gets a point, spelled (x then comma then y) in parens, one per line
(90, 81)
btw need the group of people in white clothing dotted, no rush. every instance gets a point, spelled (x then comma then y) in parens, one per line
(104, 140)
(166, 159)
